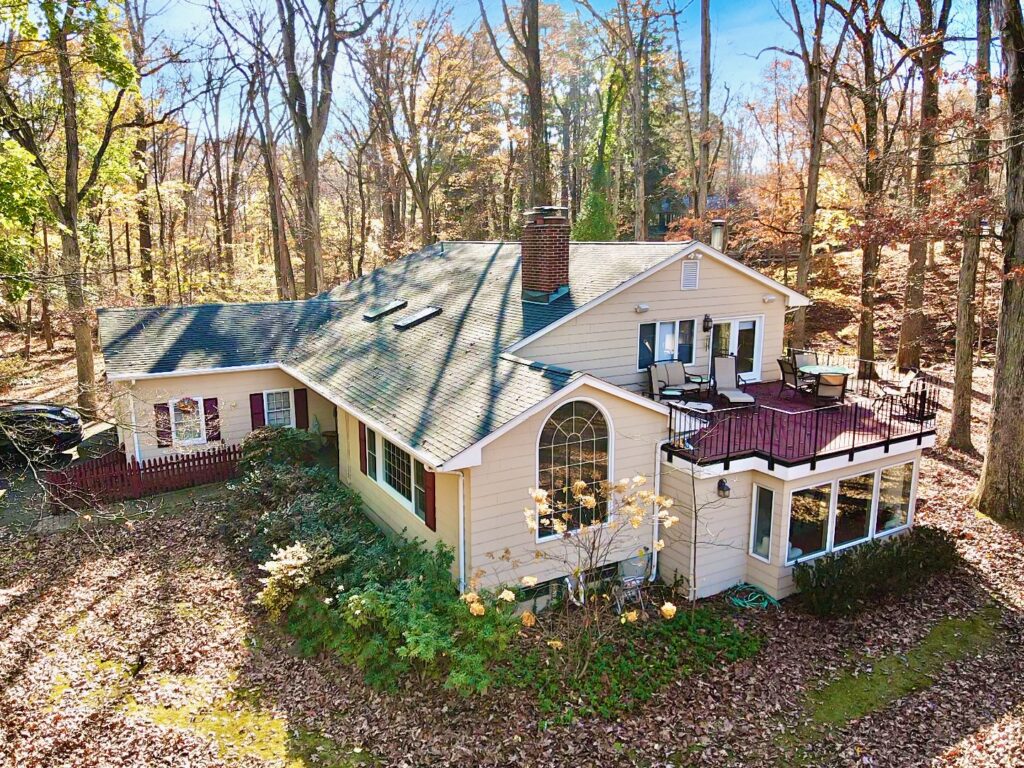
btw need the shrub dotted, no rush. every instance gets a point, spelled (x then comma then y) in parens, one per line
(11, 369)
(843, 583)
(279, 446)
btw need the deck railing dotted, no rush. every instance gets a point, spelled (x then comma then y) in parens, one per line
(790, 438)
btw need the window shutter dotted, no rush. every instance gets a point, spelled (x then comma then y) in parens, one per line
(362, 447)
(256, 409)
(212, 417)
(691, 271)
(301, 409)
(162, 420)
(430, 512)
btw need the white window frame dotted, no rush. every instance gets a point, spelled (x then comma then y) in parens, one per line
(201, 407)
(682, 274)
(873, 516)
(291, 405)
(538, 539)
(734, 336)
(753, 523)
(409, 505)
(676, 323)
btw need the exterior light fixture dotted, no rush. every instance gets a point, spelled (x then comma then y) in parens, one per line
(769, 298)
(641, 308)
(724, 491)
(708, 323)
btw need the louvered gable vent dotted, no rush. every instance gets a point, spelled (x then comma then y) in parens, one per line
(691, 274)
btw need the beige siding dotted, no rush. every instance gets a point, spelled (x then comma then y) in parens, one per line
(503, 548)
(385, 508)
(604, 340)
(232, 391)
(723, 528)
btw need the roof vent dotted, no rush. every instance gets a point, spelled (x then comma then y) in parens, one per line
(379, 312)
(411, 321)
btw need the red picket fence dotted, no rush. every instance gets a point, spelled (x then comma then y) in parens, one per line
(114, 478)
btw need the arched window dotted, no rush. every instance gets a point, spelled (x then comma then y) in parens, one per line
(573, 446)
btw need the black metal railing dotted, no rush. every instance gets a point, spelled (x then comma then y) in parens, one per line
(870, 378)
(800, 437)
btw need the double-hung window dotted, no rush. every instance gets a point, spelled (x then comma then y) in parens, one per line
(277, 405)
(188, 425)
(371, 453)
(848, 511)
(665, 340)
(398, 472)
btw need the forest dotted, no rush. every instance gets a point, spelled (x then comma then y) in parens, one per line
(254, 151)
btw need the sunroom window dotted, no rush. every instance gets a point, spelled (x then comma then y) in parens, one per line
(894, 498)
(808, 521)
(853, 509)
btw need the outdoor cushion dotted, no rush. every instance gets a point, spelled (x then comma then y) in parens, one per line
(735, 396)
(702, 407)
(674, 373)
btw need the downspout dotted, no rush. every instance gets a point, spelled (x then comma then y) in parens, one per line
(133, 424)
(657, 492)
(462, 524)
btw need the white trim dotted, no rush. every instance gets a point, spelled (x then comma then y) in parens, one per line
(875, 476)
(291, 405)
(753, 523)
(200, 402)
(136, 444)
(794, 299)
(734, 335)
(191, 372)
(427, 458)
(655, 509)
(536, 459)
(380, 477)
(472, 456)
(656, 323)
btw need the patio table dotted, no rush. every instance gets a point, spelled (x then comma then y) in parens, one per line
(817, 370)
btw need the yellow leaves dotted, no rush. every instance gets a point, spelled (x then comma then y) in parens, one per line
(528, 619)
(639, 480)
(589, 501)
(579, 488)
(668, 610)
(507, 595)
(659, 545)
(539, 495)
(630, 616)
(470, 597)
(477, 609)
(556, 645)
(670, 521)
(529, 581)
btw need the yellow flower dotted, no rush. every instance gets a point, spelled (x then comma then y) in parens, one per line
(477, 609)
(556, 644)
(559, 526)
(471, 597)
(507, 595)
(579, 488)
(589, 501)
(529, 581)
(632, 616)
(666, 503)
(539, 495)
(659, 545)
(528, 619)
(668, 610)
(636, 521)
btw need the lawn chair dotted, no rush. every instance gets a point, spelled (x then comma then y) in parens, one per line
(668, 381)
(830, 386)
(800, 359)
(629, 587)
(791, 378)
(728, 383)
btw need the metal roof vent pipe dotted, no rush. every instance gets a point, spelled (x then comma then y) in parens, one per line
(544, 250)
(718, 234)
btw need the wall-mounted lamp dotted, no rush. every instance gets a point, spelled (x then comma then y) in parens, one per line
(641, 308)
(769, 298)
(708, 323)
(723, 488)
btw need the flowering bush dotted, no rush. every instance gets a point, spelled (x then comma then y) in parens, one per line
(286, 575)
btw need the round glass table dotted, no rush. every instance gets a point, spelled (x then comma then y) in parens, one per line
(817, 370)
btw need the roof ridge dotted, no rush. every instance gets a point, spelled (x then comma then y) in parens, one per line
(149, 307)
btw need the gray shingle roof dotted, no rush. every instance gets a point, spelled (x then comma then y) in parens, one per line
(439, 386)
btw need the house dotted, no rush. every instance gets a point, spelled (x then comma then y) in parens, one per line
(467, 373)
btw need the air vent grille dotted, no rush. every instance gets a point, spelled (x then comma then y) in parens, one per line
(411, 321)
(378, 312)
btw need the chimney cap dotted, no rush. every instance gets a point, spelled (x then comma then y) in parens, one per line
(546, 212)
(718, 222)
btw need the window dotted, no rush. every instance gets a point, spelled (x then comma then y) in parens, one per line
(277, 405)
(853, 509)
(419, 486)
(397, 470)
(839, 514)
(761, 526)
(188, 427)
(808, 521)
(573, 445)
(371, 453)
(666, 340)
(894, 498)
(691, 273)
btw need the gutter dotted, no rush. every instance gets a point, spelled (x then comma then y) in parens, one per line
(134, 424)
(657, 492)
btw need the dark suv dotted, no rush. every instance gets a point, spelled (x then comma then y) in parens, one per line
(38, 430)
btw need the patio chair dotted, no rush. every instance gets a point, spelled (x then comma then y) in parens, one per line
(667, 381)
(632, 574)
(902, 385)
(830, 386)
(728, 383)
(791, 378)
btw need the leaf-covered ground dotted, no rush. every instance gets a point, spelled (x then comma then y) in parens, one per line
(137, 645)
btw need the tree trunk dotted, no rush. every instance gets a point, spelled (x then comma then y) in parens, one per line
(309, 220)
(639, 160)
(140, 155)
(540, 170)
(963, 373)
(703, 168)
(1001, 489)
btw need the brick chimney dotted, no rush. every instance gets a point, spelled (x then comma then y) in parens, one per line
(545, 254)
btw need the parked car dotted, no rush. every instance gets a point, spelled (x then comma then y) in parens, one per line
(38, 430)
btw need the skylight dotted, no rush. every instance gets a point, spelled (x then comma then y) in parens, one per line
(411, 321)
(378, 312)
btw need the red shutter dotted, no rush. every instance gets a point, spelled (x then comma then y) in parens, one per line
(362, 447)
(430, 513)
(212, 417)
(162, 420)
(301, 409)
(256, 409)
